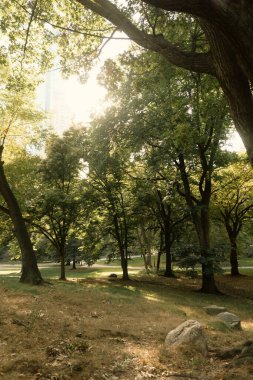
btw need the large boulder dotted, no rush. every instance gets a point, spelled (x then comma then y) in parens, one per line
(214, 309)
(231, 320)
(190, 334)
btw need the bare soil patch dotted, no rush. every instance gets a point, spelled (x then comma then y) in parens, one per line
(114, 330)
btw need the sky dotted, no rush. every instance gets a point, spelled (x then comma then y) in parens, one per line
(68, 101)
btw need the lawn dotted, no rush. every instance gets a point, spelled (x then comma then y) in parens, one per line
(96, 328)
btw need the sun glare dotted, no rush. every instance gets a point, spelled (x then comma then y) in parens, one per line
(67, 101)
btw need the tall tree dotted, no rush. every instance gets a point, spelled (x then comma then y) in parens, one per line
(57, 206)
(182, 119)
(227, 54)
(15, 110)
(107, 175)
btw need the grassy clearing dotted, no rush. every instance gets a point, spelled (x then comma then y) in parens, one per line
(94, 328)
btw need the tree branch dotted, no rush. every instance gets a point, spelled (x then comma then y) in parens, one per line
(199, 62)
(194, 7)
(32, 16)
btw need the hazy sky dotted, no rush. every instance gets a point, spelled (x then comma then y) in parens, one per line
(69, 101)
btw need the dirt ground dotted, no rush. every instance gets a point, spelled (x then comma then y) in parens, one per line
(112, 330)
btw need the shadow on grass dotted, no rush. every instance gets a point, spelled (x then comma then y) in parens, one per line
(153, 289)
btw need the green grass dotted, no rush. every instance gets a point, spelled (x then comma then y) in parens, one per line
(135, 262)
(12, 282)
(141, 310)
(245, 262)
(179, 301)
(53, 272)
(82, 272)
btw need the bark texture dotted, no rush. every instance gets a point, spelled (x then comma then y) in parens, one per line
(30, 272)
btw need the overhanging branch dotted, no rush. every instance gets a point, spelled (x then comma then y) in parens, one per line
(199, 62)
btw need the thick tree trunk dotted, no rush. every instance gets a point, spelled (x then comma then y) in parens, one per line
(202, 229)
(30, 273)
(235, 84)
(208, 280)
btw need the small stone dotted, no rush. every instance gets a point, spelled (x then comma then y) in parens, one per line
(189, 333)
(214, 309)
(231, 320)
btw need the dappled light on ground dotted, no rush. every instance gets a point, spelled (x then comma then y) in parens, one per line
(99, 329)
(151, 296)
(247, 325)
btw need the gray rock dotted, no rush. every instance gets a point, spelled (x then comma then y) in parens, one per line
(214, 309)
(231, 320)
(245, 350)
(189, 333)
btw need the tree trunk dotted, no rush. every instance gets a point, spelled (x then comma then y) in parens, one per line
(30, 273)
(122, 251)
(74, 262)
(200, 219)
(233, 258)
(124, 267)
(168, 268)
(145, 260)
(149, 261)
(158, 263)
(234, 83)
(208, 280)
(159, 254)
(62, 257)
(167, 241)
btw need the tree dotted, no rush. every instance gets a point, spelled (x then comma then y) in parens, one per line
(227, 53)
(181, 118)
(234, 200)
(158, 208)
(14, 110)
(57, 207)
(107, 176)
(202, 36)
